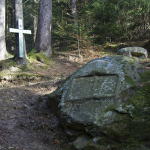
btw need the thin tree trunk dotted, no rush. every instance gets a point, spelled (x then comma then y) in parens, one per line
(43, 36)
(74, 14)
(19, 15)
(74, 11)
(35, 20)
(2, 30)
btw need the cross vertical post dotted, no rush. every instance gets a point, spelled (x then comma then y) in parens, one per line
(21, 31)
(20, 26)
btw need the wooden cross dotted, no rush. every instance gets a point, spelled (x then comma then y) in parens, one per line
(20, 30)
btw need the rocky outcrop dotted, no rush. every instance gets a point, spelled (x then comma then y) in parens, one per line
(83, 103)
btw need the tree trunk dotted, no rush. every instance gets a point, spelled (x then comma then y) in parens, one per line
(10, 22)
(43, 36)
(19, 15)
(74, 11)
(35, 21)
(2, 30)
(74, 14)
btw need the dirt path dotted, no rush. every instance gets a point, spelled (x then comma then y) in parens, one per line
(26, 122)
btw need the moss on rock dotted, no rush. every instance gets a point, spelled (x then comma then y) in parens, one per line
(129, 80)
(130, 130)
(145, 76)
(38, 57)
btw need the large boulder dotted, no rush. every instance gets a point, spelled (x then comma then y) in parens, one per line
(133, 52)
(82, 102)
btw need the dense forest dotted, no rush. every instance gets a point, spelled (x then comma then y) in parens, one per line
(93, 23)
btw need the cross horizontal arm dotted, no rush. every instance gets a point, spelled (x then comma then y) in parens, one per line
(19, 31)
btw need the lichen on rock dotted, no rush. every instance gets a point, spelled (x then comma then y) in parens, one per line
(82, 101)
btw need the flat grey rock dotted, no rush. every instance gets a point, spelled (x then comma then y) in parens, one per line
(133, 52)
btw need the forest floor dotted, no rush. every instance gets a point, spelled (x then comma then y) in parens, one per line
(26, 122)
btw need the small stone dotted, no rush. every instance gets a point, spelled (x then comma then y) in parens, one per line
(94, 140)
(1, 147)
(11, 99)
(133, 51)
(120, 109)
(11, 148)
(81, 141)
(13, 116)
(25, 106)
(108, 147)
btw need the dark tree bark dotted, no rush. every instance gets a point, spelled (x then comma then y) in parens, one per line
(43, 36)
(19, 15)
(2, 30)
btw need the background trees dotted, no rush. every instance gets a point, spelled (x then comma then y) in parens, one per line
(120, 19)
(98, 21)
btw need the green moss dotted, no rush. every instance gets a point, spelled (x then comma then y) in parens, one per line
(40, 59)
(32, 56)
(8, 55)
(137, 127)
(1, 76)
(7, 63)
(110, 108)
(144, 77)
(24, 67)
(136, 54)
(141, 97)
(129, 80)
(131, 130)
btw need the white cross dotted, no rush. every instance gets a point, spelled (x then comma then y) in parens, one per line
(20, 30)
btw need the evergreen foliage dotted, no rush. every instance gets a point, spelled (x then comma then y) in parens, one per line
(99, 21)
